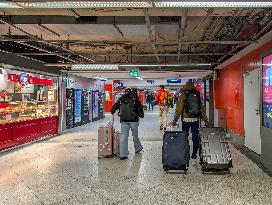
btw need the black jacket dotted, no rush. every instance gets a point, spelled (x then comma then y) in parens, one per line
(138, 107)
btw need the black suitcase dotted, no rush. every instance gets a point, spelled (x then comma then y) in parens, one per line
(175, 150)
(214, 150)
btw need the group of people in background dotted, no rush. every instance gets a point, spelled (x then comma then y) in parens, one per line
(189, 109)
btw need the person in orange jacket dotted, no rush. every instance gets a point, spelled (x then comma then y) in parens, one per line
(162, 101)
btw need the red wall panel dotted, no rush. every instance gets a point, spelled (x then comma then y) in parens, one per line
(14, 134)
(229, 88)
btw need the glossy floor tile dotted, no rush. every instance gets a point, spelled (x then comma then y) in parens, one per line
(65, 170)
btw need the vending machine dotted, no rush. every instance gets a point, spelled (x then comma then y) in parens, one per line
(78, 108)
(85, 107)
(69, 108)
(102, 98)
(95, 105)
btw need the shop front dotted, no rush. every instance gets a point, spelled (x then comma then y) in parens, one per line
(28, 107)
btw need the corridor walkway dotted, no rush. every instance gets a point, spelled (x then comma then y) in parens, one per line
(65, 170)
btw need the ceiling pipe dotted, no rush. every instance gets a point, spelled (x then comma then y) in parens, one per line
(148, 25)
(182, 29)
(42, 41)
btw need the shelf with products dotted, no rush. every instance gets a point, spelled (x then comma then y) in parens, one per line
(26, 110)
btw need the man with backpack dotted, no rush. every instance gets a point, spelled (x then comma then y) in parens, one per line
(191, 111)
(130, 109)
(162, 101)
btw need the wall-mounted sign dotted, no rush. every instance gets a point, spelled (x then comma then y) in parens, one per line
(150, 81)
(134, 73)
(118, 85)
(174, 80)
(25, 79)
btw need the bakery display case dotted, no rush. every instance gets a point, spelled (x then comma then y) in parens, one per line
(26, 110)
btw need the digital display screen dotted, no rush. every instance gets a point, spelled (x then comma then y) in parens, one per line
(78, 106)
(267, 91)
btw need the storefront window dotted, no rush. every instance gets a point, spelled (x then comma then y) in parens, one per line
(267, 91)
(26, 96)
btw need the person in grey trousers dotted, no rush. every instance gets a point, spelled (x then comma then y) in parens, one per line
(130, 109)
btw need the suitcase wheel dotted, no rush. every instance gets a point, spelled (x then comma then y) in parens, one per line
(165, 168)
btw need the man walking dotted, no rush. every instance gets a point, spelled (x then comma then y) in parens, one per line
(161, 100)
(191, 111)
(130, 109)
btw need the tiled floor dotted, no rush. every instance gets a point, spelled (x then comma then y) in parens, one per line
(65, 170)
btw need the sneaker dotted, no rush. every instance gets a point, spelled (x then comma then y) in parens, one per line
(123, 158)
(194, 162)
(138, 151)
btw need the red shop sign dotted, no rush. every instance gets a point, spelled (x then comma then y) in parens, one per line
(25, 79)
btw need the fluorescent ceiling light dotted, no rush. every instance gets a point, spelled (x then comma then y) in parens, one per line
(101, 78)
(8, 5)
(214, 4)
(267, 64)
(94, 67)
(85, 4)
(140, 78)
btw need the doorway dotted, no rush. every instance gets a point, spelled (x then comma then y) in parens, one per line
(252, 119)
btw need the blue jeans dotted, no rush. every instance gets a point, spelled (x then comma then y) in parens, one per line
(195, 135)
(125, 127)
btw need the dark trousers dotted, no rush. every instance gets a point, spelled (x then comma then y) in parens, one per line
(195, 135)
(149, 106)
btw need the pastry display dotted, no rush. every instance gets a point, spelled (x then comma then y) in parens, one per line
(26, 110)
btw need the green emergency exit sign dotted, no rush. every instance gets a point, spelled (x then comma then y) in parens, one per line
(134, 73)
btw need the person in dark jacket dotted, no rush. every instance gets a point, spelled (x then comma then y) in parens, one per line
(130, 109)
(188, 121)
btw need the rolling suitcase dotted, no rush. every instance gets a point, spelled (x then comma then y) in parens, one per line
(105, 141)
(108, 140)
(175, 150)
(214, 150)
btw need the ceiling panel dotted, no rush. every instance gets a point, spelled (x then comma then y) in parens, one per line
(84, 29)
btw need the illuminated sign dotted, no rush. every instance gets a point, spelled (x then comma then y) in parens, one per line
(134, 73)
(118, 85)
(174, 80)
(150, 81)
(25, 79)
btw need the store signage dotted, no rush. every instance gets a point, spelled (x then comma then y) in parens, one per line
(150, 81)
(118, 85)
(174, 80)
(25, 79)
(134, 73)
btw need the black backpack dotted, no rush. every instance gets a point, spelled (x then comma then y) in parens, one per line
(127, 110)
(193, 103)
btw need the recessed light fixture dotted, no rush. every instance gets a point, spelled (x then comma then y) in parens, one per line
(94, 67)
(213, 4)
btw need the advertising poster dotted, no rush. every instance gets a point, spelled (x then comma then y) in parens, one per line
(267, 91)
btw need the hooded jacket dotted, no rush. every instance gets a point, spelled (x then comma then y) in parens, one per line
(180, 111)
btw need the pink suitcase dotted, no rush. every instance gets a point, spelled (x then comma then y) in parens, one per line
(105, 141)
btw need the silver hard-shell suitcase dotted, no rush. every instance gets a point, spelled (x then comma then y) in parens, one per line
(214, 150)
